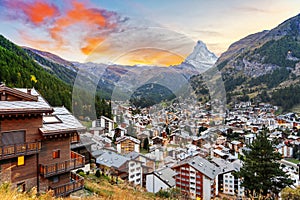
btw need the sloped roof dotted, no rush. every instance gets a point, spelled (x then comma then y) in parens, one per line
(121, 139)
(35, 103)
(111, 159)
(227, 166)
(202, 165)
(166, 175)
(66, 122)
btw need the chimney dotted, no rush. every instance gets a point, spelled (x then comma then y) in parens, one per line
(28, 91)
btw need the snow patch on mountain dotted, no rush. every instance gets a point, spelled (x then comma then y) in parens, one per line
(201, 57)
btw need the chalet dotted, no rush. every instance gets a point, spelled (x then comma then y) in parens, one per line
(195, 177)
(83, 146)
(35, 143)
(119, 132)
(127, 144)
(120, 166)
(235, 145)
(157, 140)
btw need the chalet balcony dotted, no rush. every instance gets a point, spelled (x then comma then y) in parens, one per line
(76, 183)
(75, 162)
(15, 150)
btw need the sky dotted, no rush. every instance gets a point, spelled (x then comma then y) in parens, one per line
(130, 32)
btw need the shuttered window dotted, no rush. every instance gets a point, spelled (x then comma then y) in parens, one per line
(56, 154)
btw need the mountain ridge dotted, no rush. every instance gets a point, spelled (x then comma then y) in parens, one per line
(264, 64)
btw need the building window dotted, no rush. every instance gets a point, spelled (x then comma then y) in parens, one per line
(21, 161)
(56, 154)
(21, 187)
(13, 137)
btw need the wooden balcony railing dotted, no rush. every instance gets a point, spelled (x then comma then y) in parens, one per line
(76, 183)
(14, 150)
(75, 162)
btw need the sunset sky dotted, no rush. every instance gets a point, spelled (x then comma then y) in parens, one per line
(131, 32)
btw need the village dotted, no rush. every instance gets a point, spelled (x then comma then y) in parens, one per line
(180, 145)
(188, 147)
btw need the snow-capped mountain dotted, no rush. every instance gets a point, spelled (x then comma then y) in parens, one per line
(201, 56)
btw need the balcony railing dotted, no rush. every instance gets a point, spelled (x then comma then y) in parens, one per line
(76, 183)
(75, 162)
(14, 150)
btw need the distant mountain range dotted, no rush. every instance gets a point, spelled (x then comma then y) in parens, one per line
(262, 67)
(119, 81)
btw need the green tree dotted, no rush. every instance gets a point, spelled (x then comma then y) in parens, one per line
(261, 173)
(201, 129)
(146, 144)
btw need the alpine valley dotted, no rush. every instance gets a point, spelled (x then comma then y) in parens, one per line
(262, 67)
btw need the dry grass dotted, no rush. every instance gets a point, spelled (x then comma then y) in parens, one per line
(103, 189)
(98, 188)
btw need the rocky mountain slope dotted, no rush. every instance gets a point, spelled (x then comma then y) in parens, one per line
(264, 66)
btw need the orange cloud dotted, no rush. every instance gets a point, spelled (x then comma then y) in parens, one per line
(91, 19)
(150, 56)
(91, 44)
(35, 11)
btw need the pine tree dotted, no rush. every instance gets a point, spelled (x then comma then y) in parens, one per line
(146, 144)
(261, 173)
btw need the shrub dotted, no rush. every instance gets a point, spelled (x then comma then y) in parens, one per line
(78, 171)
(98, 173)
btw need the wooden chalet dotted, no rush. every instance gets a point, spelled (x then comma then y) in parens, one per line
(35, 143)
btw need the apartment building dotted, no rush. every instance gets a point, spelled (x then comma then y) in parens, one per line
(195, 177)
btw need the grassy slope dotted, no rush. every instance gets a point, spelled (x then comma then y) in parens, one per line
(97, 188)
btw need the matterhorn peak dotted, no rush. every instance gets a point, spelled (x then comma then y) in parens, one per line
(201, 56)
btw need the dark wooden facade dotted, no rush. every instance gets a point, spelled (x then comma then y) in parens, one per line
(28, 158)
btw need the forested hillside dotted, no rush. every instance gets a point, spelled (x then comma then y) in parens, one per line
(18, 69)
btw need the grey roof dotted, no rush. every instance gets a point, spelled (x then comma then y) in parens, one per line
(111, 159)
(67, 122)
(98, 152)
(21, 106)
(84, 141)
(166, 175)
(202, 165)
(227, 166)
(132, 155)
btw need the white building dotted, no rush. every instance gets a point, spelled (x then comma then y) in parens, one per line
(160, 180)
(225, 180)
(105, 123)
